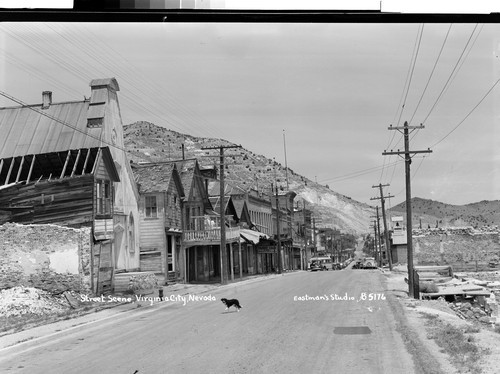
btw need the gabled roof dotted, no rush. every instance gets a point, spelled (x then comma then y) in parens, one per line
(155, 177)
(229, 189)
(187, 170)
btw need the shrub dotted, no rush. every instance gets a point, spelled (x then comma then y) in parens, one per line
(428, 287)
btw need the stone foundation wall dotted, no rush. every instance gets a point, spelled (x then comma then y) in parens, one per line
(465, 249)
(49, 257)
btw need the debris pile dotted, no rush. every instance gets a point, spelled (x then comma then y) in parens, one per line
(138, 282)
(471, 311)
(18, 301)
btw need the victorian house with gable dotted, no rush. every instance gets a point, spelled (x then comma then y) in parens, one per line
(160, 219)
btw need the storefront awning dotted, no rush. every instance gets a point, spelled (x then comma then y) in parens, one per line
(252, 236)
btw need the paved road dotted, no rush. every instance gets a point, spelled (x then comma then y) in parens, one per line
(279, 330)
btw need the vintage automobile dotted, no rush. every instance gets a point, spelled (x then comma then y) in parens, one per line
(369, 263)
(320, 263)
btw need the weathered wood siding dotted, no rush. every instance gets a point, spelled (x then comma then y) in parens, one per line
(152, 236)
(101, 172)
(103, 267)
(66, 201)
(173, 207)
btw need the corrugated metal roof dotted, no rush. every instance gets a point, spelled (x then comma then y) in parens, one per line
(26, 131)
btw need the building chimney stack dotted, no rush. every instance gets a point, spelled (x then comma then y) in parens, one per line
(46, 99)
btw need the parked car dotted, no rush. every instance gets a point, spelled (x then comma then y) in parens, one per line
(315, 266)
(357, 265)
(320, 263)
(369, 263)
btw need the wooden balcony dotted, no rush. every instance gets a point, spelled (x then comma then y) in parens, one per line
(210, 236)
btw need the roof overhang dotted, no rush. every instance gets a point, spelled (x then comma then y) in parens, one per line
(252, 236)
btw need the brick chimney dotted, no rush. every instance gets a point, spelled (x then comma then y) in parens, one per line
(46, 99)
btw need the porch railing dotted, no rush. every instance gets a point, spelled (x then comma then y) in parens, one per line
(211, 235)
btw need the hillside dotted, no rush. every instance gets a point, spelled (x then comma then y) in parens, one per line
(432, 213)
(147, 142)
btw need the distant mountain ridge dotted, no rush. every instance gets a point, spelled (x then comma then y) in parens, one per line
(432, 213)
(244, 169)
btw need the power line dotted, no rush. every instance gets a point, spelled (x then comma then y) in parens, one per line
(357, 173)
(468, 114)
(412, 71)
(448, 81)
(431, 74)
(64, 123)
(406, 88)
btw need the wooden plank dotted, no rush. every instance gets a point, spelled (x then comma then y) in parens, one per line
(10, 171)
(86, 161)
(151, 262)
(76, 162)
(96, 160)
(65, 164)
(31, 169)
(20, 169)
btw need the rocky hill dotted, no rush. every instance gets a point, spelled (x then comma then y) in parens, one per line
(147, 142)
(429, 213)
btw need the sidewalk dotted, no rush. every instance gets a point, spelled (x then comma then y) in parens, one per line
(148, 301)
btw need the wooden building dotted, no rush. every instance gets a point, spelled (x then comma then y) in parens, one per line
(202, 227)
(160, 219)
(65, 163)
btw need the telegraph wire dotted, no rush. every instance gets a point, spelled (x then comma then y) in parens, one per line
(412, 71)
(72, 64)
(406, 87)
(102, 141)
(431, 74)
(357, 173)
(468, 114)
(448, 81)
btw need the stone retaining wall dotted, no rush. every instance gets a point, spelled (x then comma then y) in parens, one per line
(465, 249)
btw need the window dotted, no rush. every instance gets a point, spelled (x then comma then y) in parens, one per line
(151, 207)
(104, 204)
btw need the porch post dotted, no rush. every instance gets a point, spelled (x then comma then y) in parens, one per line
(241, 261)
(231, 260)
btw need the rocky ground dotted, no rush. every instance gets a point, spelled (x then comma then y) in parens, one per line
(485, 335)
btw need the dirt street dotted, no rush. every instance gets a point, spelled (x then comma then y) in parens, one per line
(323, 322)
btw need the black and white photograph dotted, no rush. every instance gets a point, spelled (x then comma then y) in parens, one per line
(221, 186)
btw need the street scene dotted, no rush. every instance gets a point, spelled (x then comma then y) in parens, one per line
(286, 324)
(249, 197)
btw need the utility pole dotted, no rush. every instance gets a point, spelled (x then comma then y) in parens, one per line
(278, 233)
(375, 238)
(314, 236)
(376, 226)
(222, 253)
(407, 156)
(386, 233)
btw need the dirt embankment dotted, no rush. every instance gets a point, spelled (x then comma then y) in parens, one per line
(462, 333)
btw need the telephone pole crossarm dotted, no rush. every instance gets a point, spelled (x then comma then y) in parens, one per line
(398, 152)
(405, 130)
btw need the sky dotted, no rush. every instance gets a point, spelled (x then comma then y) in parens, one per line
(328, 92)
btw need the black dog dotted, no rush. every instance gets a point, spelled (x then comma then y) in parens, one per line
(231, 302)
